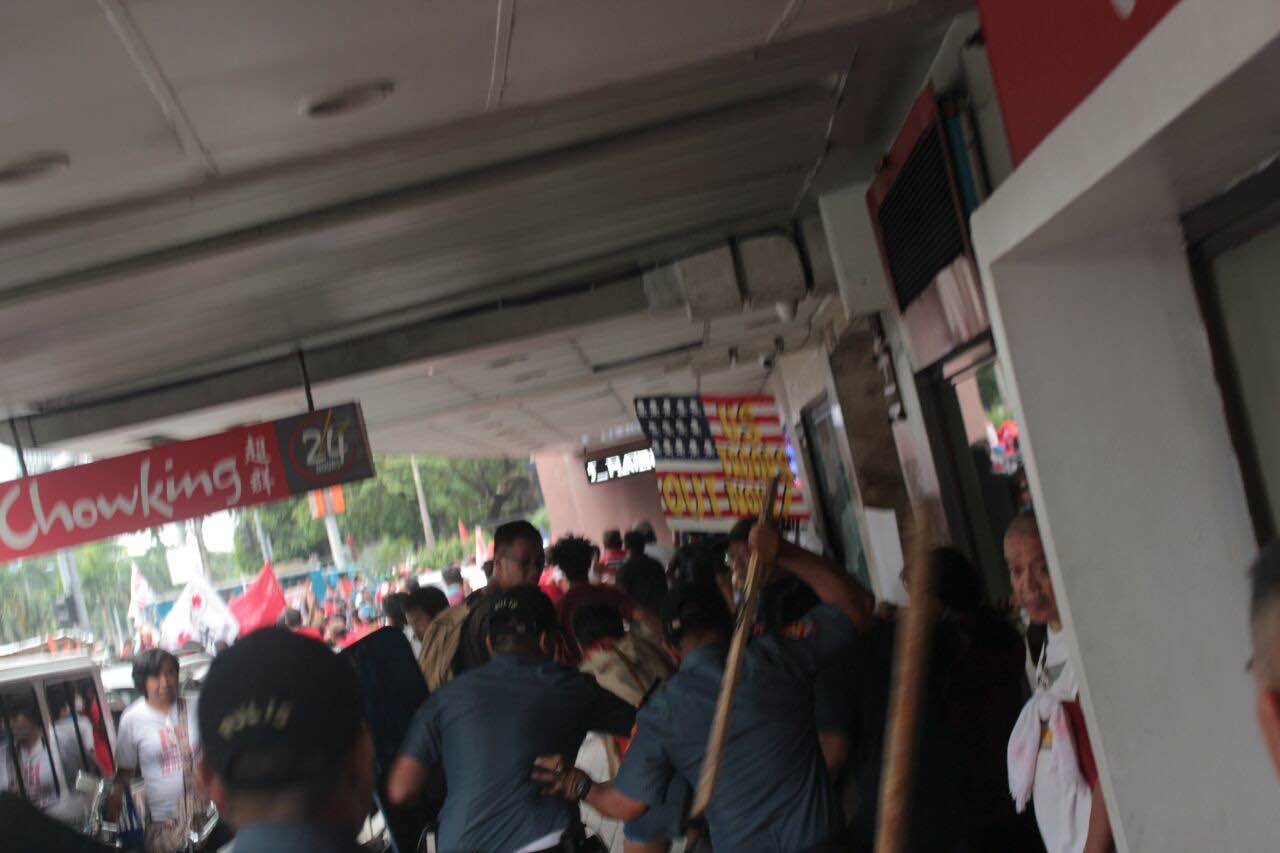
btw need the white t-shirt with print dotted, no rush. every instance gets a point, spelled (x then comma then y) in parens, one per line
(1062, 808)
(147, 741)
(37, 775)
(73, 761)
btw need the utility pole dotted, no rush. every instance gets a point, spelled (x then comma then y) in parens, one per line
(429, 537)
(71, 585)
(263, 542)
(197, 529)
(335, 536)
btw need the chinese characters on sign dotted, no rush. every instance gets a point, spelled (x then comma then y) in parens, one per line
(241, 467)
(714, 455)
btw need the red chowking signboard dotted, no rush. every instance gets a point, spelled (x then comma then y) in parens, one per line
(1048, 55)
(714, 454)
(241, 467)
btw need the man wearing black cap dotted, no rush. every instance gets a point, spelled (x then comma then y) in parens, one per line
(287, 756)
(773, 792)
(488, 725)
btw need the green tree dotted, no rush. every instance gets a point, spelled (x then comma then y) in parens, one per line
(382, 515)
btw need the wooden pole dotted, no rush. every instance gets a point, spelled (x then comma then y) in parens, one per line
(733, 663)
(910, 668)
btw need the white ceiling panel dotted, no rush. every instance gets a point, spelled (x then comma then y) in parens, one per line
(813, 15)
(563, 46)
(205, 226)
(70, 86)
(243, 68)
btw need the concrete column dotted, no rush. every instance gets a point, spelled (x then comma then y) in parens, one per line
(1145, 526)
(860, 390)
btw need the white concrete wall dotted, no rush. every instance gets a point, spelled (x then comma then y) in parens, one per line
(1129, 458)
(864, 289)
(1145, 521)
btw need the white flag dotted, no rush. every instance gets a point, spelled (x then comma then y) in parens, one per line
(140, 596)
(199, 614)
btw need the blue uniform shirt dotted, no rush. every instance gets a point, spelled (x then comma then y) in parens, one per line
(286, 837)
(487, 726)
(772, 793)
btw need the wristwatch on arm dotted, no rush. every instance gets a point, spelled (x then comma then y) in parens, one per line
(581, 787)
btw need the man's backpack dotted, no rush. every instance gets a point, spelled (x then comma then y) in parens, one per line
(440, 645)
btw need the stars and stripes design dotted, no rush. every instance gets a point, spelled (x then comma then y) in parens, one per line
(714, 454)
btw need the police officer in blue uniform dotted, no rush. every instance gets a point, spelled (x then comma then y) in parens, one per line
(286, 753)
(487, 726)
(773, 792)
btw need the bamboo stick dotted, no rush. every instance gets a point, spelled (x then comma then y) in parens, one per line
(733, 663)
(910, 666)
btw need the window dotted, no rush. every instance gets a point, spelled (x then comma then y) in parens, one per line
(26, 766)
(73, 708)
(1235, 255)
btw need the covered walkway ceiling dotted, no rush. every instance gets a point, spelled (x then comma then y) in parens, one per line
(185, 205)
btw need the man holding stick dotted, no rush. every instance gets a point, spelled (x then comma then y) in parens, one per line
(773, 791)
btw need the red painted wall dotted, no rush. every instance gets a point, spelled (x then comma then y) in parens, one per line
(1048, 55)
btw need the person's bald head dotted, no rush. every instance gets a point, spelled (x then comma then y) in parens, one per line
(1029, 570)
(1264, 625)
(1023, 524)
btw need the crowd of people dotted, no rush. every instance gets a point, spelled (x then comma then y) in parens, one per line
(568, 704)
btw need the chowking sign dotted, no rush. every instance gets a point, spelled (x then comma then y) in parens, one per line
(714, 455)
(241, 467)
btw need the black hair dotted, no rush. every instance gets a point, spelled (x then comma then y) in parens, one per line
(699, 563)
(694, 607)
(149, 664)
(24, 703)
(643, 526)
(593, 622)
(513, 531)
(784, 601)
(955, 580)
(56, 697)
(634, 541)
(645, 581)
(487, 568)
(393, 609)
(612, 539)
(292, 618)
(453, 574)
(428, 599)
(259, 771)
(742, 528)
(573, 555)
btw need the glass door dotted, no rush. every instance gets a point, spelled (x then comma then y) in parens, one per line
(839, 524)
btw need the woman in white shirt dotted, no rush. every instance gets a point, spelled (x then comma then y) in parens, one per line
(33, 774)
(156, 737)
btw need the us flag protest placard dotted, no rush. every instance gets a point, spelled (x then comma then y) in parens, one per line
(714, 454)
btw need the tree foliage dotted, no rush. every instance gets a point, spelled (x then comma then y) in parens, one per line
(382, 517)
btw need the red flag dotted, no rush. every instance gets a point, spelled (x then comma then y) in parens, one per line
(261, 603)
(463, 533)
